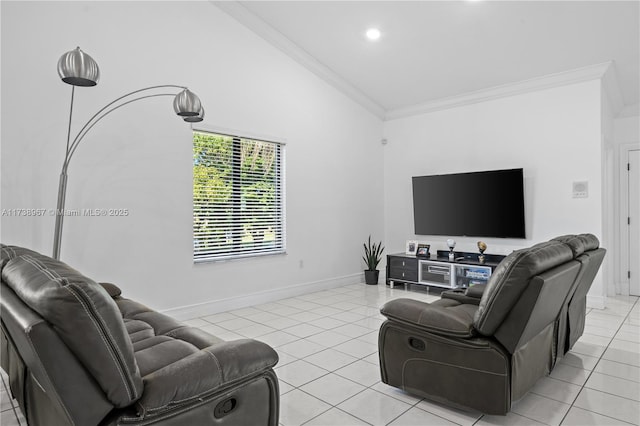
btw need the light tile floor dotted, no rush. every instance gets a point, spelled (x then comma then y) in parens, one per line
(329, 374)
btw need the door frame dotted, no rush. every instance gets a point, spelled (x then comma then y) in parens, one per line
(623, 283)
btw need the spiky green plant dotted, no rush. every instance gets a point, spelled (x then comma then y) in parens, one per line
(372, 254)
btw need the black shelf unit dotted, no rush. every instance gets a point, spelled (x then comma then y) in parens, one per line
(438, 271)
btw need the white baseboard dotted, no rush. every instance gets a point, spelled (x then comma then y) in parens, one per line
(183, 313)
(597, 302)
(621, 288)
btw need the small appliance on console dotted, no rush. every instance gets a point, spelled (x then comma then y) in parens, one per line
(451, 244)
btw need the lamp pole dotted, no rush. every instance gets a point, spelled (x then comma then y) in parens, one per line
(79, 69)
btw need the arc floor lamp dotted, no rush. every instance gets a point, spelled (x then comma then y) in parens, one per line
(79, 69)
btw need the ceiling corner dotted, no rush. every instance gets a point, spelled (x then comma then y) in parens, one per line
(611, 88)
(252, 22)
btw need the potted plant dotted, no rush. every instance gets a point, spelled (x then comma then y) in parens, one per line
(372, 256)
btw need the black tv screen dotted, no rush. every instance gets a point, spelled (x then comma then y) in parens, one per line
(478, 204)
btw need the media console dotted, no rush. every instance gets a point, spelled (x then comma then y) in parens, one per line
(439, 271)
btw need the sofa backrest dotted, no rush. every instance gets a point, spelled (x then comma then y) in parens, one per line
(49, 382)
(511, 279)
(579, 243)
(83, 316)
(538, 307)
(586, 250)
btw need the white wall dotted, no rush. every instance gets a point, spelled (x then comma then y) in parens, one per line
(626, 129)
(553, 134)
(140, 158)
(626, 135)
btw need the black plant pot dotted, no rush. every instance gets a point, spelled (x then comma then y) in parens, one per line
(371, 277)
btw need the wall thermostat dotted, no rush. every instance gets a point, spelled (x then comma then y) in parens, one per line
(581, 189)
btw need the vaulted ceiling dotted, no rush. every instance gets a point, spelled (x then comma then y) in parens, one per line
(430, 51)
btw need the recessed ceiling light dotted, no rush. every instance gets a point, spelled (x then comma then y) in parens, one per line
(373, 33)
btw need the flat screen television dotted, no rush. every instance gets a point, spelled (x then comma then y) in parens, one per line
(478, 204)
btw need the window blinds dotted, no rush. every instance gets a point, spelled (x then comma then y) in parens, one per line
(238, 197)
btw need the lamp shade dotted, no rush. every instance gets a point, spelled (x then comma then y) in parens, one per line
(195, 118)
(187, 104)
(78, 69)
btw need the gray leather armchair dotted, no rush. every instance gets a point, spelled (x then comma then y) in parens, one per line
(78, 353)
(487, 347)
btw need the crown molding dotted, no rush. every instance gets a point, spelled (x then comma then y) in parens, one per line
(604, 71)
(247, 18)
(591, 72)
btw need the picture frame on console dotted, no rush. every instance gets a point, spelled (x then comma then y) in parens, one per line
(411, 248)
(423, 250)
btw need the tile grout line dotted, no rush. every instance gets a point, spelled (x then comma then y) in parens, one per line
(603, 415)
(359, 392)
(300, 323)
(374, 317)
(328, 373)
(310, 322)
(370, 387)
(571, 405)
(381, 294)
(8, 392)
(298, 339)
(595, 366)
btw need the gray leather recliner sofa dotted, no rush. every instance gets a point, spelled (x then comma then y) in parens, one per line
(485, 348)
(78, 353)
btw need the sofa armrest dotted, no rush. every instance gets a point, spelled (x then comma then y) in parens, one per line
(445, 317)
(215, 367)
(112, 289)
(470, 295)
(476, 290)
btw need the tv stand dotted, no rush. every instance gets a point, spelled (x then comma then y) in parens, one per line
(439, 271)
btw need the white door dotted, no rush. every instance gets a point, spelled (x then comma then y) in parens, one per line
(634, 222)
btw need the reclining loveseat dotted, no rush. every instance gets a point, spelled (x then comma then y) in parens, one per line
(485, 347)
(78, 353)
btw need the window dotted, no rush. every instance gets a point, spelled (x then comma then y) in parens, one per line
(238, 197)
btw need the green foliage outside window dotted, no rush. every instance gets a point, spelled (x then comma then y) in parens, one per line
(237, 198)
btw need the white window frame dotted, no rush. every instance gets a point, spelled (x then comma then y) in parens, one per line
(280, 204)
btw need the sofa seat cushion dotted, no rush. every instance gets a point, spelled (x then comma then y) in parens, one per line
(182, 365)
(195, 378)
(138, 330)
(158, 340)
(162, 354)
